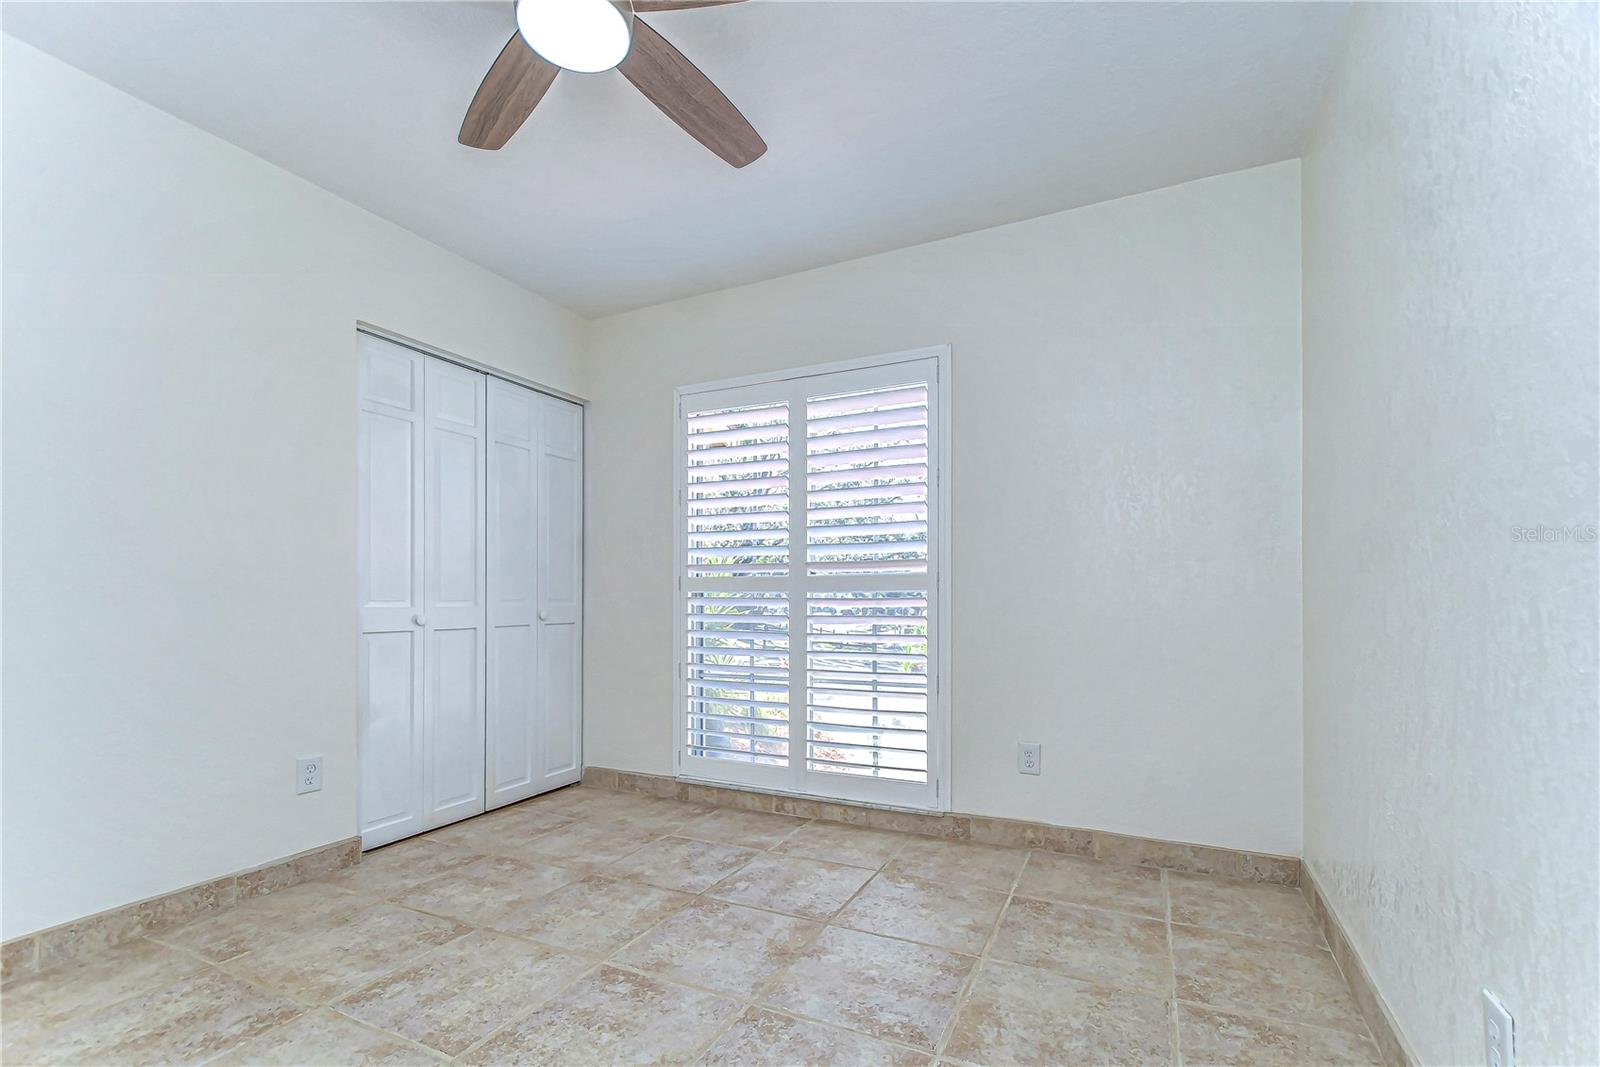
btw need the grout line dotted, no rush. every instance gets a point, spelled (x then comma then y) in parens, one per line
(516, 1019)
(983, 957)
(1172, 970)
(1276, 1020)
(1317, 945)
(789, 1013)
(411, 1041)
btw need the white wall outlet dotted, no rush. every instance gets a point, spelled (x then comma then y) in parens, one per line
(1498, 1048)
(1028, 757)
(308, 774)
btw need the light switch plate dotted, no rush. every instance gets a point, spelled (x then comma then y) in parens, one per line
(308, 774)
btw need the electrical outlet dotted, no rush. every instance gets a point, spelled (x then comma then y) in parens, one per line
(1498, 1048)
(308, 774)
(1028, 757)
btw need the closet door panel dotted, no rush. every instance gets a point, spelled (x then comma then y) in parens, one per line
(455, 752)
(390, 800)
(390, 583)
(560, 570)
(456, 577)
(511, 766)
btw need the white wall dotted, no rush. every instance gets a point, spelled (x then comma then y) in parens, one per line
(179, 487)
(1450, 395)
(1126, 499)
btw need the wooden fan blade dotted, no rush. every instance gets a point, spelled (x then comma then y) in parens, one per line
(515, 84)
(688, 98)
(678, 5)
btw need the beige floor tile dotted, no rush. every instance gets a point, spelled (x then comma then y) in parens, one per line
(682, 863)
(724, 947)
(1023, 1015)
(500, 832)
(950, 915)
(1253, 908)
(33, 1005)
(612, 1016)
(1275, 979)
(396, 869)
(308, 910)
(317, 968)
(578, 802)
(763, 1038)
(460, 993)
(322, 1037)
(938, 860)
(838, 843)
(659, 814)
(1076, 880)
(490, 891)
(888, 989)
(1215, 1037)
(1086, 943)
(809, 888)
(188, 1021)
(588, 845)
(751, 829)
(597, 915)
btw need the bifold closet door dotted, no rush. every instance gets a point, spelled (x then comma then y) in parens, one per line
(422, 576)
(471, 512)
(390, 582)
(511, 764)
(455, 558)
(560, 529)
(535, 514)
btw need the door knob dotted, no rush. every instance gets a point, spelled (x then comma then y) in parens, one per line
(542, 616)
(420, 619)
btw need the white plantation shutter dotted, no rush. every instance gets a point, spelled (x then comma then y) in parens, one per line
(737, 528)
(809, 586)
(867, 648)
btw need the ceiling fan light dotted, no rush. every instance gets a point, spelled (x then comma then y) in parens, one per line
(587, 36)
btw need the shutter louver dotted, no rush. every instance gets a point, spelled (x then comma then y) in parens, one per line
(867, 684)
(738, 486)
(738, 676)
(867, 482)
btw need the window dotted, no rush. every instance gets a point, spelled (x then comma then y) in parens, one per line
(810, 600)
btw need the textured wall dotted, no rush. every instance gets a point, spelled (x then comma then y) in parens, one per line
(1126, 572)
(180, 487)
(1450, 395)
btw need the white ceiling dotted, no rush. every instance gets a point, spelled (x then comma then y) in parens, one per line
(889, 124)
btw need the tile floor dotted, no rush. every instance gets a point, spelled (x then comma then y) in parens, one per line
(596, 927)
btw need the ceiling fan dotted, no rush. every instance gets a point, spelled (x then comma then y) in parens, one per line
(590, 36)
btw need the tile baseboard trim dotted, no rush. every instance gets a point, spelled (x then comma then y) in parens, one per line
(983, 829)
(1392, 1045)
(83, 940)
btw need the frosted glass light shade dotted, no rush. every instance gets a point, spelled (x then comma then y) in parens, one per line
(587, 36)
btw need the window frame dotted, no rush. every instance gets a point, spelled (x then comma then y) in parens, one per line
(934, 795)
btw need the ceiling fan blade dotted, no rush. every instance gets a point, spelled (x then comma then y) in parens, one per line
(647, 6)
(515, 84)
(688, 98)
